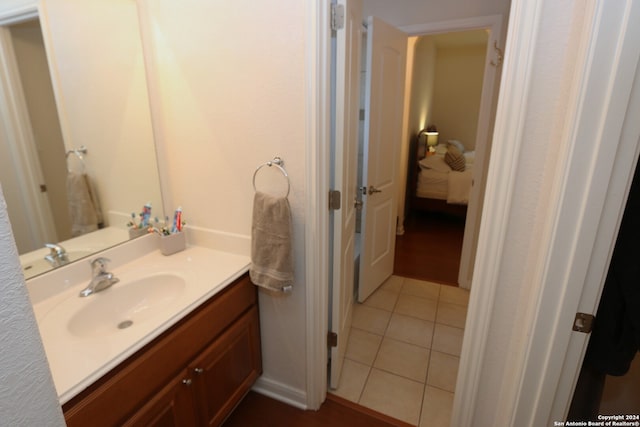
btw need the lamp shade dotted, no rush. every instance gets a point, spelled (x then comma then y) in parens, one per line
(432, 138)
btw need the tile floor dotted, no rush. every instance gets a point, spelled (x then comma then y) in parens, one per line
(404, 348)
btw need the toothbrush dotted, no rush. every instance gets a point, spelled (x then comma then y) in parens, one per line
(146, 214)
(179, 219)
(133, 220)
(176, 218)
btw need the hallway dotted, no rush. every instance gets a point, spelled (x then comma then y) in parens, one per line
(404, 349)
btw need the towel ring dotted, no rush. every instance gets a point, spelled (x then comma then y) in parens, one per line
(277, 162)
(79, 153)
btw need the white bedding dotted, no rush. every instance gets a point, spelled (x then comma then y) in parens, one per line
(460, 187)
(437, 180)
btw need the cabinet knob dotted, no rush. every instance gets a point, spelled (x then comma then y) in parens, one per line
(187, 381)
(198, 370)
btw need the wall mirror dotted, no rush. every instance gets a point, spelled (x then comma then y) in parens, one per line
(75, 80)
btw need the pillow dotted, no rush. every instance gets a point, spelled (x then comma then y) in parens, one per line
(455, 159)
(435, 163)
(469, 157)
(454, 142)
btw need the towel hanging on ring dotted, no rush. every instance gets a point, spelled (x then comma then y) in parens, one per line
(271, 243)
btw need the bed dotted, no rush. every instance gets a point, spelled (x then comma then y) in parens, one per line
(441, 180)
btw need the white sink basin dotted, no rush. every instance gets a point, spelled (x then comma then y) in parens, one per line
(125, 304)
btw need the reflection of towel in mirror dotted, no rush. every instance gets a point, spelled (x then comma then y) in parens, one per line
(84, 208)
(271, 246)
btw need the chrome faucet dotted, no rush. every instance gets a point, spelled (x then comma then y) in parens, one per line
(100, 278)
(57, 255)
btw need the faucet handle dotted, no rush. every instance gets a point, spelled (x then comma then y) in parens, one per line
(56, 250)
(99, 265)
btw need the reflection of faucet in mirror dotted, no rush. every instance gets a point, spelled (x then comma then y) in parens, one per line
(49, 60)
(57, 256)
(100, 278)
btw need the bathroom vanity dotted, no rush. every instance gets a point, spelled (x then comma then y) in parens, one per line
(175, 342)
(193, 374)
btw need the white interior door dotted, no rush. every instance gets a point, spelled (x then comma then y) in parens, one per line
(347, 107)
(384, 98)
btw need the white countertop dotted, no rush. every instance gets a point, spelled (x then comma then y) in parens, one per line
(75, 361)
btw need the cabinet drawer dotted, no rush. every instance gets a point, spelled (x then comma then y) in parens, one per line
(134, 382)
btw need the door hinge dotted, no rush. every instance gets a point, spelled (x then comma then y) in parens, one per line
(583, 322)
(337, 17)
(332, 339)
(43, 188)
(334, 200)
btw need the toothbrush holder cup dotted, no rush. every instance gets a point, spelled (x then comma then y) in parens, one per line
(172, 243)
(137, 232)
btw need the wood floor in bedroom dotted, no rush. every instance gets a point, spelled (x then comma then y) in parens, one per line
(430, 248)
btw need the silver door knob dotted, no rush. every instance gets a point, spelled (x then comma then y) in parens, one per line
(187, 382)
(198, 371)
(373, 189)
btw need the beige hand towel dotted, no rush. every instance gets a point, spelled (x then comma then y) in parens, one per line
(271, 245)
(84, 208)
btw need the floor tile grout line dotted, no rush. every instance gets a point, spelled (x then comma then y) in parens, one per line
(433, 333)
(364, 385)
(369, 332)
(399, 375)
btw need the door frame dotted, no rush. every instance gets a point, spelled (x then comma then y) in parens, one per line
(318, 167)
(522, 38)
(590, 192)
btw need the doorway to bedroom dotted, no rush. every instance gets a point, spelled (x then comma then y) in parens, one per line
(448, 111)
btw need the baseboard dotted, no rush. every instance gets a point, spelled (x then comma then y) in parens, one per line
(281, 392)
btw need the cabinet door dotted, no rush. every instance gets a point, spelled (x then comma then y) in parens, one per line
(227, 369)
(171, 407)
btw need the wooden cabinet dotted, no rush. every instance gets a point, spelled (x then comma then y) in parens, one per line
(193, 374)
(225, 370)
(171, 406)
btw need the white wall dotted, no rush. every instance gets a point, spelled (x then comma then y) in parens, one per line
(231, 81)
(457, 91)
(424, 62)
(27, 394)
